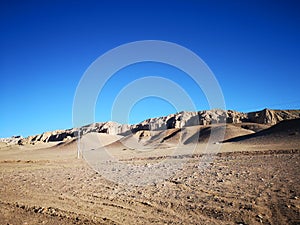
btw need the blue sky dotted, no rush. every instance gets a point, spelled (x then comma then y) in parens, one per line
(252, 47)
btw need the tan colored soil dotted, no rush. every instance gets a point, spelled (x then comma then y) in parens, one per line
(46, 184)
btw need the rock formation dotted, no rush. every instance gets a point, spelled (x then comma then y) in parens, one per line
(272, 117)
(11, 140)
(178, 120)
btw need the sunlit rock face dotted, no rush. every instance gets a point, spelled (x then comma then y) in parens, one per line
(178, 120)
(268, 116)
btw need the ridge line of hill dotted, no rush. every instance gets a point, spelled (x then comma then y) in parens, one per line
(177, 120)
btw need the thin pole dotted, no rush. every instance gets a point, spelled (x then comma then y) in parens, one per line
(78, 144)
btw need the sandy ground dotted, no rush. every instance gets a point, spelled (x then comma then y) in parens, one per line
(243, 184)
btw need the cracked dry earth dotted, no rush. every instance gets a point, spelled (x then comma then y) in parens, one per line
(235, 188)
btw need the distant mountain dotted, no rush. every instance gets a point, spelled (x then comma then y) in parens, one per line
(173, 121)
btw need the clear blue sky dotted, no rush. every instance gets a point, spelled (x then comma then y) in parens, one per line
(252, 47)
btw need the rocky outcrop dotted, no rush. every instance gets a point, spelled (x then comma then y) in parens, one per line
(57, 135)
(106, 127)
(186, 119)
(11, 140)
(272, 117)
(178, 120)
(207, 117)
(63, 135)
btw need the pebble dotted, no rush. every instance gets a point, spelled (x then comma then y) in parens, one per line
(259, 216)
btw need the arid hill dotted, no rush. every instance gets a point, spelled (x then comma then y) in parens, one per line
(283, 132)
(181, 123)
(160, 171)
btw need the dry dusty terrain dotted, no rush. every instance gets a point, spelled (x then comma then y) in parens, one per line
(247, 182)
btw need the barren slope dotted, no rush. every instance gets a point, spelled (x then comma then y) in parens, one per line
(285, 132)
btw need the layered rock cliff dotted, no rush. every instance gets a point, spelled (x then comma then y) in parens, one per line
(178, 120)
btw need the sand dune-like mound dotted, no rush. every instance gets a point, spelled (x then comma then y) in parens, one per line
(99, 139)
(69, 144)
(150, 139)
(256, 127)
(216, 133)
(89, 141)
(141, 139)
(154, 139)
(183, 136)
(287, 131)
